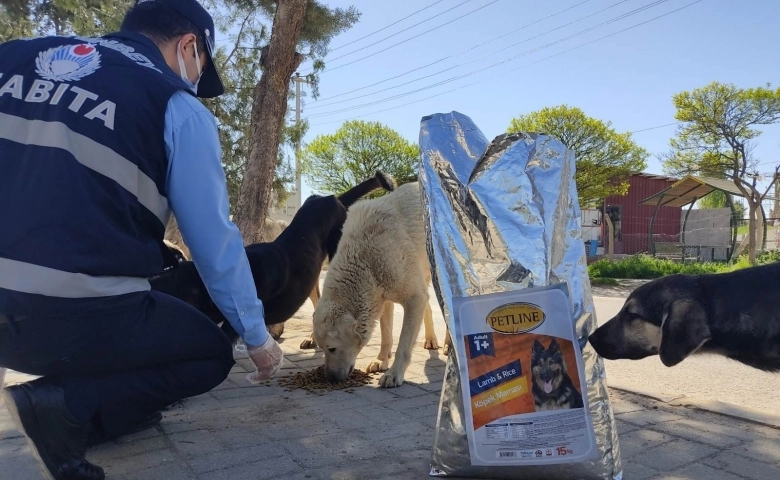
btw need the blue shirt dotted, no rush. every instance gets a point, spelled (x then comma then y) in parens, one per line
(197, 194)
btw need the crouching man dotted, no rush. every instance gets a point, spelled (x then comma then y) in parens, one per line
(100, 140)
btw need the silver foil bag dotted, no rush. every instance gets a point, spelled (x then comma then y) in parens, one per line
(501, 216)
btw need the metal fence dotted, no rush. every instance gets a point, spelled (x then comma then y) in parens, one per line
(706, 238)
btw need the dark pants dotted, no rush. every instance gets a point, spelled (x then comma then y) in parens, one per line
(118, 365)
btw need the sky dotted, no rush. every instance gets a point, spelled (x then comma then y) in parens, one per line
(627, 78)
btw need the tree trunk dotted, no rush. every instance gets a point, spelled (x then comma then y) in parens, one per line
(610, 237)
(752, 209)
(279, 61)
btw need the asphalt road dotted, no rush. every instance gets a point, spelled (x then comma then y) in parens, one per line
(707, 377)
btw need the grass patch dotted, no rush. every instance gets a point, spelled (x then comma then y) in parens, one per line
(647, 267)
(604, 282)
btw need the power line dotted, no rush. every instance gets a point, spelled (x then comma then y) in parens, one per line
(396, 33)
(773, 162)
(655, 128)
(515, 69)
(473, 60)
(408, 39)
(407, 28)
(223, 40)
(453, 55)
(458, 77)
(388, 26)
(390, 36)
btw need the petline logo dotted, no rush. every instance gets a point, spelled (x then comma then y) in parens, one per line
(515, 318)
(67, 63)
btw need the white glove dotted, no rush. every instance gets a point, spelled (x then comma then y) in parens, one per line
(267, 358)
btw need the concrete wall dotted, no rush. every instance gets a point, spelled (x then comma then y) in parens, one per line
(708, 227)
(591, 224)
(288, 211)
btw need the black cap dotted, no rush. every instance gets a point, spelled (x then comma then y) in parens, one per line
(210, 84)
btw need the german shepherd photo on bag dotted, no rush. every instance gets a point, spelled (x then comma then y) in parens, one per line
(552, 387)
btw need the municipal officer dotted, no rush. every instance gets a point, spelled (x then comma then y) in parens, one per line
(100, 140)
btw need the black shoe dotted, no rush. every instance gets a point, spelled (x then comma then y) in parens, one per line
(147, 422)
(57, 439)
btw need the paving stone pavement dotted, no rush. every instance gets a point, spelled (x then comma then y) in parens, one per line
(240, 431)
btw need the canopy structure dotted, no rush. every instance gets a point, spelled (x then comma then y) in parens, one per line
(686, 192)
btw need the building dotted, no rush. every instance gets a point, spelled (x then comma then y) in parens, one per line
(290, 208)
(631, 221)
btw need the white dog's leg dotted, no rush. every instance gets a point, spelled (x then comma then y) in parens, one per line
(309, 343)
(431, 342)
(382, 361)
(448, 342)
(314, 295)
(414, 310)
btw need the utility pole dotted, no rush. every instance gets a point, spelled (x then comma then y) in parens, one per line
(298, 81)
(776, 211)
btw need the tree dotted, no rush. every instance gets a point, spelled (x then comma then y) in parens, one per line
(24, 18)
(716, 136)
(604, 158)
(335, 163)
(238, 57)
(279, 61)
(242, 69)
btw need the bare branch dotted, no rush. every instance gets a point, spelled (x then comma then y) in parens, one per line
(772, 183)
(238, 37)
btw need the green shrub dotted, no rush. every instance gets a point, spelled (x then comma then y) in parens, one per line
(762, 258)
(647, 267)
(604, 282)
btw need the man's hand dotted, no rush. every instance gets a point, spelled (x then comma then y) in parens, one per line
(267, 358)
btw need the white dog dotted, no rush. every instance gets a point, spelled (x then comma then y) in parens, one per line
(381, 260)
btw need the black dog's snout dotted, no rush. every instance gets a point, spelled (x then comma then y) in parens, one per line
(593, 339)
(603, 348)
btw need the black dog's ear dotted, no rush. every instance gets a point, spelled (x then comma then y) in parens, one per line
(538, 348)
(683, 331)
(554, 347)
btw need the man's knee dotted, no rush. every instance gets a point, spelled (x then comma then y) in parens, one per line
(211, 373)
(224, 362)
(227, 361)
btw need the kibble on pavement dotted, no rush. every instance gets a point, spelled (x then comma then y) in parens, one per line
(315, 381)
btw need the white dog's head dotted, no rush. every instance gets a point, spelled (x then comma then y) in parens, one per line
(340, 336)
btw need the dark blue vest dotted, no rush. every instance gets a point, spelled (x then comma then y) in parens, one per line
(83, 167)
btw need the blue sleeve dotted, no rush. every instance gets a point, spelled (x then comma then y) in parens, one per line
(197, 192)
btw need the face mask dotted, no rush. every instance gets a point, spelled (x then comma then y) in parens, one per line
(183, 68)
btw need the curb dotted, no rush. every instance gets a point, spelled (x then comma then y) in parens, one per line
(713, 406)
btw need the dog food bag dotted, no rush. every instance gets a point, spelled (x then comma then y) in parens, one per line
(524, 394)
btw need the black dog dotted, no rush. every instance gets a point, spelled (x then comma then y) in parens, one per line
(552, 387)
(285, 270)
(177, 253)
(732, 314)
